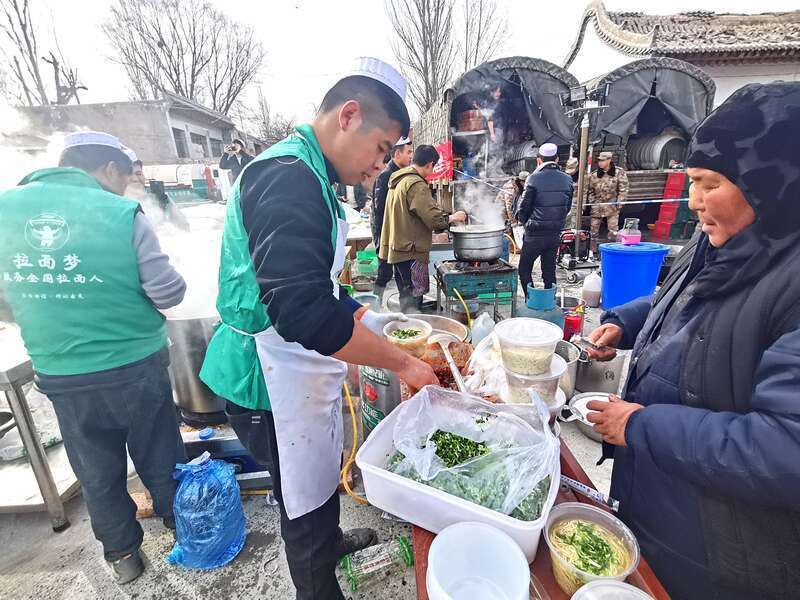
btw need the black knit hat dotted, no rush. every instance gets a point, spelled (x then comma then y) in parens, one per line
(753, 139)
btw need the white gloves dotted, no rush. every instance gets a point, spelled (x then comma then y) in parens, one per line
(375, 321)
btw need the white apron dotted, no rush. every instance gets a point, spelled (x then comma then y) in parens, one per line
(305, 392)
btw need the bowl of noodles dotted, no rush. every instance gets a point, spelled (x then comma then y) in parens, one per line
(586, 544)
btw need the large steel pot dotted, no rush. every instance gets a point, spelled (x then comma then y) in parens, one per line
(472, 243)
(188, 342)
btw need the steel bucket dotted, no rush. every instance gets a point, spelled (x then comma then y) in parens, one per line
(597, 376)
(570, 353)
(188, 342)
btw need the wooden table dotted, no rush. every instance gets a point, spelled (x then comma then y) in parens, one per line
(643, 577)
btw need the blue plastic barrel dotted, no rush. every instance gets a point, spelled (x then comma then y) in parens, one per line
(630, 272)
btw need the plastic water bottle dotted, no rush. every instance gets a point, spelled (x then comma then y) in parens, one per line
(371, 564)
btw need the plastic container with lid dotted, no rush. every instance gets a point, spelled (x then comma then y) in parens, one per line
(413, 345)
(527, 345)
(605, 589)
(545, 384)
(569, 577)
(475, 560)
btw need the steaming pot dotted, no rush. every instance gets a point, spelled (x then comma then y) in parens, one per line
(474, 243)
(189, 339)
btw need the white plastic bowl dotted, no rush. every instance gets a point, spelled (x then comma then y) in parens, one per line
(603, 589)
(473, 560)
(415, 345)
(527, 345)
(545, 384)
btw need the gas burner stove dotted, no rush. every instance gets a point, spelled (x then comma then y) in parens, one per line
(459, 266)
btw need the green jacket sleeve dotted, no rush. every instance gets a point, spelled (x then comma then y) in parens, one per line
(422, 204)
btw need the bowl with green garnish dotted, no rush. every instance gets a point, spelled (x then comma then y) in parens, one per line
(587, 544)
(410, 335)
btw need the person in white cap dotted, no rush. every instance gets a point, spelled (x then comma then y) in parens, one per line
(279, 356)
(401, 158)
(543, 210)
(85, 277)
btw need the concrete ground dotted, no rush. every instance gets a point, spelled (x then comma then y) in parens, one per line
(37, 564)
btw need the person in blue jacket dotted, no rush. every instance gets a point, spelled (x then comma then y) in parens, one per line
(706, 443)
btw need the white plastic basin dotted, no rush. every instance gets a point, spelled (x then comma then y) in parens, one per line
(468, 561)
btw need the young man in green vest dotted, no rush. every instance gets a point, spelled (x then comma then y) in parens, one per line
(84, 275)
(288, 331)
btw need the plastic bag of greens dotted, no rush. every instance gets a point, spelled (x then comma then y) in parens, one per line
(500, 456)
(209, 519)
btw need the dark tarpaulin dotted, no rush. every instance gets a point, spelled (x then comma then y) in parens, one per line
(538, 82)
(685, 92)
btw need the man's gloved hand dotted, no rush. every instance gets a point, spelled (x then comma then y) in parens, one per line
(375, 321)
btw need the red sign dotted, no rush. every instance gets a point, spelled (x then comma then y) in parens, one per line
(443, 170)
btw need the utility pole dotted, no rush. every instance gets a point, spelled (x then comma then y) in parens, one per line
(588, 106)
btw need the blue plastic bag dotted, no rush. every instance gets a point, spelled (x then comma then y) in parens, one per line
(209, 519)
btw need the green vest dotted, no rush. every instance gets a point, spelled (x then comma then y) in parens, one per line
(70, 274)
(231, 367)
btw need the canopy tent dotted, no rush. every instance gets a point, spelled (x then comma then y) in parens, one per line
(533, 84)
(646, 96)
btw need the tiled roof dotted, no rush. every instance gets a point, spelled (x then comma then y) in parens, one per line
(697, 34)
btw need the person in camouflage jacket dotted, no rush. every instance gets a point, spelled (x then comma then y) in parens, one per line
(609, 183)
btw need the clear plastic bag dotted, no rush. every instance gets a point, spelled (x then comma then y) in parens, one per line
(209, 519)
(485, 374)
(514, 478)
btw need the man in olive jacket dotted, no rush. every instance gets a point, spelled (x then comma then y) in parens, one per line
(410, 217)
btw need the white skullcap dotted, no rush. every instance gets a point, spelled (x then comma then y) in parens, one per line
(548, 150)
(130, 153)
(91, 138)
(378, 70)
(403, 141)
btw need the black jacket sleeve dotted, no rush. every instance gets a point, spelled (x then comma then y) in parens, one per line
(227, 162)
(526, 204)
(379, 193)
(289, 227)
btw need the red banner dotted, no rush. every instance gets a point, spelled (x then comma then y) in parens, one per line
(443, 170)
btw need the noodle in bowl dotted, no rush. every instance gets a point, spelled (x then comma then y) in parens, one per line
(587, 543)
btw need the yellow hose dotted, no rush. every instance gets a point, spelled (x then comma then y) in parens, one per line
(464, 304)
(349, 464)
(513, 243)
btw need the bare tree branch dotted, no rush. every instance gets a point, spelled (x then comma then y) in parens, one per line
(18, 26)
(271, 128)
(423, 45)
(484, 28)
(184, 46)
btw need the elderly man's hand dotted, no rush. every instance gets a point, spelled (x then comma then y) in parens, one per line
(606, 338)
(611, 418)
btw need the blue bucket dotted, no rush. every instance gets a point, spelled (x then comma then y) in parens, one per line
(630, 272)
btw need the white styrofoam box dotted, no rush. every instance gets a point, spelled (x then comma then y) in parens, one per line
(433, 509)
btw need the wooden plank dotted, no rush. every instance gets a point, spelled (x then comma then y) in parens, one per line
(643, 577)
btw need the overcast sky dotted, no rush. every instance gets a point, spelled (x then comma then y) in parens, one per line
(312, 42)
